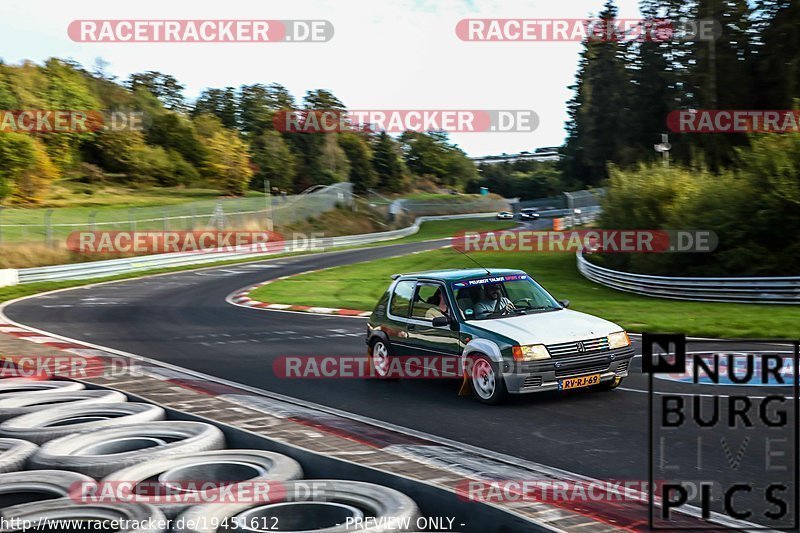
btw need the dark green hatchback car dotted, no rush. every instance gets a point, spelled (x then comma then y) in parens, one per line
(498, 329)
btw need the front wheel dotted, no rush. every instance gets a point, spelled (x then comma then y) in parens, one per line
(488, 385)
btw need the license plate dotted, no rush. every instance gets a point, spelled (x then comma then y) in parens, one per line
(582, 381)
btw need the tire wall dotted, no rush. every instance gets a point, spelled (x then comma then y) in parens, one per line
(432, 501)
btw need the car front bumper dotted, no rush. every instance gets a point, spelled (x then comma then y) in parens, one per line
(541, 376)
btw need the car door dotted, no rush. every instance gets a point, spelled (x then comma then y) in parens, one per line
(425, 340)
(397, 313)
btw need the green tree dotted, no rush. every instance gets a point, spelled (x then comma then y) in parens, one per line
(527, 180)
(322, 99)
(594, 133)
(431, 154)
(388, 164)
(423, 154)
(163, 86)
(127, 153)
(228, 164)
(362, 174)
(115, 151)
(221, 103)
(176, 132)
(255, 109)
(258, 104)
(333, 161)
(206, 125)
(776, 53)
(279, 97)
(273, 161)
(26, 171)
(653, 91)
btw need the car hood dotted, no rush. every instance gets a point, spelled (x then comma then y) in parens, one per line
(550, 327)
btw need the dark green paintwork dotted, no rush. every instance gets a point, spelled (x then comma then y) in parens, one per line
(427, 340)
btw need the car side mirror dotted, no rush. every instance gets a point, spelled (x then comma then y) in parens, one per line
(440, 321)
(564, 303)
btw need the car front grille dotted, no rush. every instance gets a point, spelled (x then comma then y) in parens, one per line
(561, 372)
(622, 367)
(565, 349)
(532, 381)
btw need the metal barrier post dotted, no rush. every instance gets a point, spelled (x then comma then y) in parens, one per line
(48, 228)
(268, 198)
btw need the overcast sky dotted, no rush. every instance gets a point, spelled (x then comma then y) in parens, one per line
(400, 54)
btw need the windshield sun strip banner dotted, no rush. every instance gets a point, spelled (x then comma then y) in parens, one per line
(488, 279)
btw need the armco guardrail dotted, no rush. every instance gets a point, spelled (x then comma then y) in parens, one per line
(763, 290)
(112, 267)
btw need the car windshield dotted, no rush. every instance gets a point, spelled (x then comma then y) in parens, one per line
(502, 296)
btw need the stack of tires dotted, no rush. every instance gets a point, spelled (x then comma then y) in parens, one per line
(68, 454)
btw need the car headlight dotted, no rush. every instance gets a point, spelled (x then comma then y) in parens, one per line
(618, 340)
(531, 352)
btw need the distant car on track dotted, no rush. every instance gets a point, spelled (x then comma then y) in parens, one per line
(500, 330)
(505, 215)
(529, 213)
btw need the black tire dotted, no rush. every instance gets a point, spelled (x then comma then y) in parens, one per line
(608, 385)
(107, 450)
(30, 403)
(17, 488)
(49, 424)
(13, 386)
(14, 454)
(486, 381)
(147, 519)
(373, 500)
(266, 467)
(376, 371)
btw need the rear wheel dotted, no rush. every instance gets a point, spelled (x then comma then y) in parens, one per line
(488, 385)
(380, 359)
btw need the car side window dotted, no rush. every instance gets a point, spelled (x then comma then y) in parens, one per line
(401, 297)
(426, 302)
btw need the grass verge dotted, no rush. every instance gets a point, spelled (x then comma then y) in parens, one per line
(360, 286)
(440, 229)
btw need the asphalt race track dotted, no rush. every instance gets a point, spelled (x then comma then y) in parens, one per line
(183, 319)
